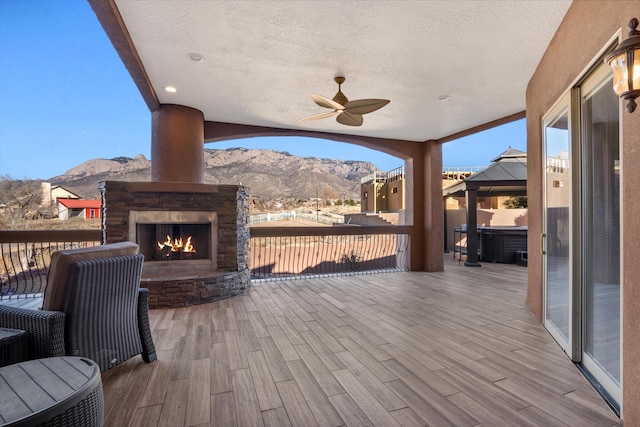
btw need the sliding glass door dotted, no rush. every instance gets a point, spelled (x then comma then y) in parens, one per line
(601, 232)
(581, 228)
(556, 240)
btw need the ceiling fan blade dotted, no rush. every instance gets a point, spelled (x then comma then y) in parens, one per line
(319, 116)
(364, 106)
(326, 102)
(349, 119)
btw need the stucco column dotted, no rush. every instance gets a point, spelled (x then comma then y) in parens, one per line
(177, 144)
(472, 228)
(434, 212)
(425, 207)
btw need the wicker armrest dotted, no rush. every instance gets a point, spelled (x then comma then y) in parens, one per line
(148, 349)
(45, 330)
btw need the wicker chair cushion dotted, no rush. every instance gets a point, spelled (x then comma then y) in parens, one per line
(61, 261)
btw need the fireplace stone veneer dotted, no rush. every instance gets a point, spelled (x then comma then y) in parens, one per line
(183, 282)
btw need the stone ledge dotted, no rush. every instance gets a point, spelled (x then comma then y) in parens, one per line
(186, 292)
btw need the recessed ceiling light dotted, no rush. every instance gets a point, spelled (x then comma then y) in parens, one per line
(444, 97)
(196, 57)
(171, 89)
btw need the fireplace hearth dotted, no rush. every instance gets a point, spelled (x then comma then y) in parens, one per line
(195, 237)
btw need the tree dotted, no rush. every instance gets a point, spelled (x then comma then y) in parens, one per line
(329, 193)
(20, 201)
(516, 202)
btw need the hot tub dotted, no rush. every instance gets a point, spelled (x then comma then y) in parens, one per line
(501, 244)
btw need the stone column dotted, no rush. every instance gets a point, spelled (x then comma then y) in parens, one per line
(177, 144)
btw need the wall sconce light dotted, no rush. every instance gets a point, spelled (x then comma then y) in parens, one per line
(625, 62)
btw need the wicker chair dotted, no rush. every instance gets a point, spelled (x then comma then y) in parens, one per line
(103, 314)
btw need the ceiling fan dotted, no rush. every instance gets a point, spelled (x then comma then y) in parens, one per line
(347, 112)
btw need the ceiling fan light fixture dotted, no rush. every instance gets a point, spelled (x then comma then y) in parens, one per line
(347, 112)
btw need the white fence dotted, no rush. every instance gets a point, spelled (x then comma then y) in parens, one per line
(321, 217)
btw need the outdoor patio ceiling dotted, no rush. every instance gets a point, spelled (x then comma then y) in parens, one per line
(257, 62)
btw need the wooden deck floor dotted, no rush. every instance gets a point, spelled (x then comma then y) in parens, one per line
(457, 348)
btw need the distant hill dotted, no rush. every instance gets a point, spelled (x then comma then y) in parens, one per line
(270, 175)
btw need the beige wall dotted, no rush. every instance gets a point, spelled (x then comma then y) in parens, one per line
(495, 202)
(389, 196)
(585, 31)
(61, 193)
(395, 201)
(368, 198)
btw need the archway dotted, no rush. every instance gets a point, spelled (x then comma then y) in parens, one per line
(423, 167)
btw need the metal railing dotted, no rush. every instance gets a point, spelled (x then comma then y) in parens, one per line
(275, 252)
(279, 252)
(373, 177)
(392, 175)
(26, 256)
(462, 169)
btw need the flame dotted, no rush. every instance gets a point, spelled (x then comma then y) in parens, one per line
(177, 245)
(188, 247)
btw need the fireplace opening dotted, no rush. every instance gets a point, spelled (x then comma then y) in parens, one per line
(174, 242)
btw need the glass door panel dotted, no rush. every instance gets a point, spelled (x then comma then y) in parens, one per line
(601, 232)
(557, 224)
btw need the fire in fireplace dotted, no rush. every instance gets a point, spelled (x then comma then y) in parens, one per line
(172, 247)
(174, 242)
(182, 240)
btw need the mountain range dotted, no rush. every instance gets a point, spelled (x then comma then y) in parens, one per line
(270, 175)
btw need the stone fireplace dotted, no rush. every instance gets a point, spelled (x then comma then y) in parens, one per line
(195, 237)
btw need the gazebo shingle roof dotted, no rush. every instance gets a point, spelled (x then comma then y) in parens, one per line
(507, 175)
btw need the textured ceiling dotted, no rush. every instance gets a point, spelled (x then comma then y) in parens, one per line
(263, 59)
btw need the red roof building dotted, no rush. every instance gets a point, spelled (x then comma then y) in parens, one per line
(71, 208)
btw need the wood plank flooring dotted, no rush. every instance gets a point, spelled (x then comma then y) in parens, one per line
(457, 348)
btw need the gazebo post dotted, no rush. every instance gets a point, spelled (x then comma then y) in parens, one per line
(444, 205)
(472, 227)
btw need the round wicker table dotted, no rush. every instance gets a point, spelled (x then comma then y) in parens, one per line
(56, 391)
(11, 345)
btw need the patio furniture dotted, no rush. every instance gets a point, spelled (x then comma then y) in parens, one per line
(93, 307)
(11, 345)
(57, 391)
(460, 234)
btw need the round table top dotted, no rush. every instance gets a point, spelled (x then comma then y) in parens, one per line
(37, 390)
(10, 333)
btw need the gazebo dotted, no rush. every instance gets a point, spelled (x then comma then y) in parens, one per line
(506, 176)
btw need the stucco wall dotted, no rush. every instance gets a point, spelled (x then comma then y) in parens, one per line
(395, 200)
(585, 31)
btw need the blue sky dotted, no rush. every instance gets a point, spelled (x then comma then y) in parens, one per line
(65, 98)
